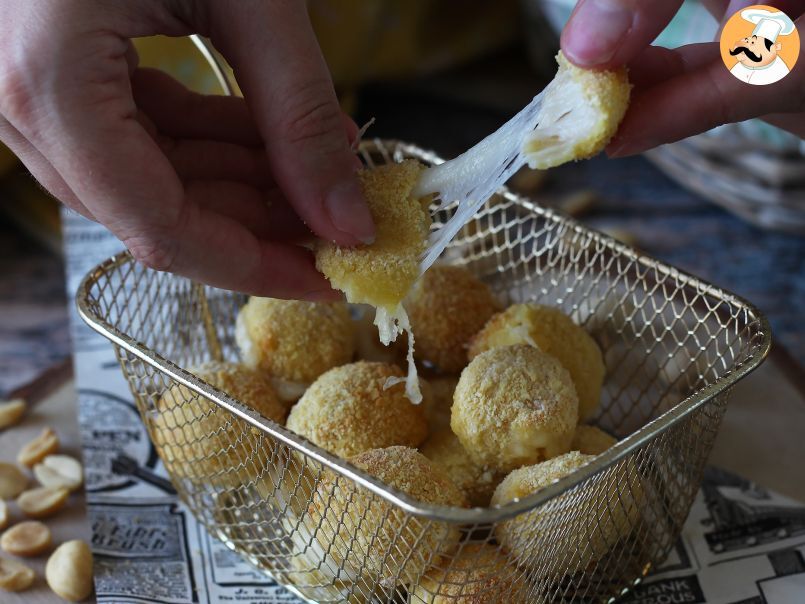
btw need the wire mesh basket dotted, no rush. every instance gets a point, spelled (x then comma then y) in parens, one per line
(673, 347)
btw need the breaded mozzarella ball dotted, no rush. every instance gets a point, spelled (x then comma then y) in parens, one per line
(568, 534)
(294, 341)
(591, 440)
(348, 410)
(447, 306)
(554, 333)
(372, 538)
(513, 406)
(203, 442)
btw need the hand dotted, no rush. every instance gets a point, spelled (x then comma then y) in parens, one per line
(209, 187)
(680, 92)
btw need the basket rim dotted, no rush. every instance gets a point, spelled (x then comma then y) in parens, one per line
(488, 515)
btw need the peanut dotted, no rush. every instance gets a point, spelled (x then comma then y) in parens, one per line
(42, 501)
(69, 571)
(12, 481)
(29, 538)
(60, 471)
(11, 412)
(15, 576)
(35, 451)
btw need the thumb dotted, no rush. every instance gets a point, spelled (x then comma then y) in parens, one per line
(287, 85)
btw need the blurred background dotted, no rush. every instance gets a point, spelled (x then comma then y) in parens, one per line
(443, 74)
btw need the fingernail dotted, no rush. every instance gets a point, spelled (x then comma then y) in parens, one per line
(348, 211)
(596, 31)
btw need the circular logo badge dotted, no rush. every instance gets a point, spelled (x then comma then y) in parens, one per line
(759, 45)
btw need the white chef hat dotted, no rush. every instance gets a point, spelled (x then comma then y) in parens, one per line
(769, 24)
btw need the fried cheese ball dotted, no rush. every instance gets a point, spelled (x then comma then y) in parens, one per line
(476, 482)
(348, 411)
(573, 531)
(580, 113)
(382, 272)
(447, 306)
(200, 441)
(474, 574)
(374, 539)
(591, 440)
(438, 399)
(294, 341)
(514, 405)
(554, 333)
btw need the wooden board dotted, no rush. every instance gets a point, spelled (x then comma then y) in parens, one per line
(52, 402)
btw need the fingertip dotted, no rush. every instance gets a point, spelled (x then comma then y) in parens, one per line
(349, 214)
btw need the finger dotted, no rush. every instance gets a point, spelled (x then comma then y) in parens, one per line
(610, 33)
(657, 64)
(40, 168)
(182, 113)
(792, 122)
(696, 101)
(217, 250)
(288, 87)
(265, 213)
(213, 160)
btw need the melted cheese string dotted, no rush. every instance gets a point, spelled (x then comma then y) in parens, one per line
(389, 326)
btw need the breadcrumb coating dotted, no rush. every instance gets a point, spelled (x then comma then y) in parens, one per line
(514, 405)
(381, 273)
(373, 538)
(203, 442)
(438, 399)
(476, 482)
(295, 341)
(591, 440)
(554, 333)
(582, 111)
(473, 574)
(447, 306)
(585, 523)
(348, 411)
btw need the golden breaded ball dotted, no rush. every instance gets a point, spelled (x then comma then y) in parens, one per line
(381, 273)
(554, 333)
(447, 306)
(591, 440)
(514, 405)
(205, 443)
(374, 539)
(294, 341)
(437, 400)
(476, 482)
(313, 571)
(474, 574)
(348, 411)
(570, 533)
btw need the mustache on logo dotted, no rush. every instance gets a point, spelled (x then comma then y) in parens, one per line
(743, 49)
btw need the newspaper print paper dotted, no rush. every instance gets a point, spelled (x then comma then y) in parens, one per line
(741, 544)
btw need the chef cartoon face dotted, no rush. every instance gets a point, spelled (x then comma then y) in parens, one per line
(755, 51)
(759, 45)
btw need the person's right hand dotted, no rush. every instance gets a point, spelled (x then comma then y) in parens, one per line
(209, 187)
(684, 91)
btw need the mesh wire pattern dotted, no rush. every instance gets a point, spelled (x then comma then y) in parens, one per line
(673, 347)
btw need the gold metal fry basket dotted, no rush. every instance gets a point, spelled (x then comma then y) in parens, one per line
(673, 347)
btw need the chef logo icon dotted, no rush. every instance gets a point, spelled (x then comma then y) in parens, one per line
(759, 45)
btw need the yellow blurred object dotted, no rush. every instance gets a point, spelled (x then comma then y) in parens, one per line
(182, 60)
(401, 38)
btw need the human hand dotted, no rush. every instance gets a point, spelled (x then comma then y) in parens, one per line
(679, 92)
(209, 187)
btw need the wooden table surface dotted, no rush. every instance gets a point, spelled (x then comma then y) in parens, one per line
(56, 409)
